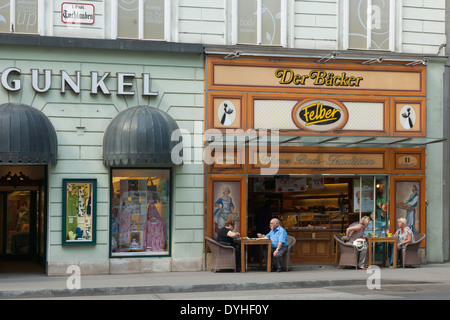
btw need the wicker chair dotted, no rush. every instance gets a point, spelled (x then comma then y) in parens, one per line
(223, 257)
(410, 255)
(348, 253)
(287, 257)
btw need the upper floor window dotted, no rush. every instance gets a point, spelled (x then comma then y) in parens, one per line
(369, 24)
(260, 22)
(21, 16)
(142, 19)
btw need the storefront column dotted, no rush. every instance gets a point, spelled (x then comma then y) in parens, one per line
(446, 159)
(435, 227)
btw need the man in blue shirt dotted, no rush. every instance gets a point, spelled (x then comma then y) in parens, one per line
(278, 237)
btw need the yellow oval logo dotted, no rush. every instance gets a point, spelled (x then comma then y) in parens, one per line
(320, 115)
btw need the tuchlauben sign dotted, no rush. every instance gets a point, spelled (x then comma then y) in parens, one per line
(11, 81)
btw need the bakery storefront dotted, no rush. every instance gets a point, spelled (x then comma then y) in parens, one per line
(88, 177)
(318, 145)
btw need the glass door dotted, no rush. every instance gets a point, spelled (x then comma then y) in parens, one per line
(371, 199)
(382, 205)
(22, 224)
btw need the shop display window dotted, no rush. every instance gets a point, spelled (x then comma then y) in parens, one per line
(140, 212)
(79, 211)
(319, 202)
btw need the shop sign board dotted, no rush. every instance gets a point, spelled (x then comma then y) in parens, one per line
(10, 80)
(385, 80)
(77, 13)
(322, 160)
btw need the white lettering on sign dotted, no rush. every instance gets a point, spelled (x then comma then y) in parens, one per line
(11, 79)
(77, 13)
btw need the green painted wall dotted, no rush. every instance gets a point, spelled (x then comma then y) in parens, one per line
(81, 119)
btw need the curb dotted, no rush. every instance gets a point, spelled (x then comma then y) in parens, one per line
(112, 291)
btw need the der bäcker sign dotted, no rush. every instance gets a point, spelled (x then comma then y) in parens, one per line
(11, 80)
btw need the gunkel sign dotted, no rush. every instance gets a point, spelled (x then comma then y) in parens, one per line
(11, 81)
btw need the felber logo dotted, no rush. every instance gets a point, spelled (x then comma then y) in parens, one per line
(320, 115)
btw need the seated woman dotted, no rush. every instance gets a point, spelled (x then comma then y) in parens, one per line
(226, 237)
(404, 235)
(354, 232)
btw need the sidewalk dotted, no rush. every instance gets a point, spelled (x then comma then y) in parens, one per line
(311, 276)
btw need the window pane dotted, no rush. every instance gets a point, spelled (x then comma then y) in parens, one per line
(4, 16)
(380, 24)
(247, 21)
(271, 22)
(154, 19)
(140, 217)
(27, 16)
(357, 24)
(128, 19)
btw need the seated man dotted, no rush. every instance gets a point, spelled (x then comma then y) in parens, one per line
(278, 237)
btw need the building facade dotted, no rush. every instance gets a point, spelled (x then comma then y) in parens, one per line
(102, 192)
(101, 72)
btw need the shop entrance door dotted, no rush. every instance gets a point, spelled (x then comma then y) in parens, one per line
(313, 209)
(22, 221)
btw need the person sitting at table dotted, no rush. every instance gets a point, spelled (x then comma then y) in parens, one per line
(404, 235)
(279, 244)
(355, 232)
(226, 237)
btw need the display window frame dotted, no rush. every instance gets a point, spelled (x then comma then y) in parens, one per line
(67, 187)
(419, 128)
(238, 190)
(409, 181)
(168, 227)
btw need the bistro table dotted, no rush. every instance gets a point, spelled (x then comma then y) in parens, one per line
(384, 240)
(252, 242)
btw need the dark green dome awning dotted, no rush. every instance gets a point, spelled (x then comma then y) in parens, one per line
(139, 135)
(26, 136)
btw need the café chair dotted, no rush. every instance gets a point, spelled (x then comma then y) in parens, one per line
(348, 253)
(223, 257)
(410, 255)
(287, 256)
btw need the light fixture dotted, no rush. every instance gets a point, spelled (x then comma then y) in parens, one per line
(233, 55)
(418, 62)
(374, 60)
(328, 57)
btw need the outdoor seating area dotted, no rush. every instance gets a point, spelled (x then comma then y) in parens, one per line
(347, 253)
(223, 257)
